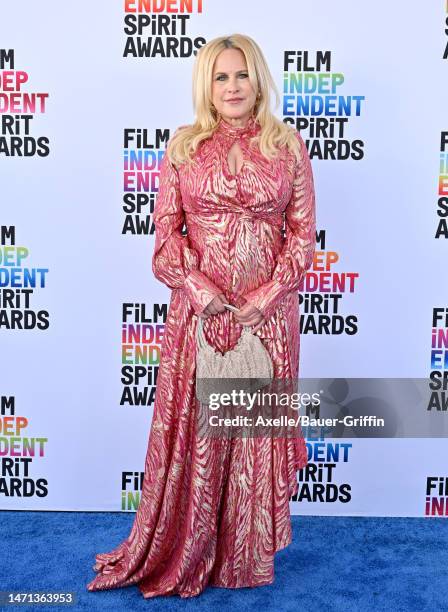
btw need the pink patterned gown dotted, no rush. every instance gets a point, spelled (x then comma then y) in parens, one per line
(214, 511)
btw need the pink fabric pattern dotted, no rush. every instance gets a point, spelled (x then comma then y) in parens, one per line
(215, 511)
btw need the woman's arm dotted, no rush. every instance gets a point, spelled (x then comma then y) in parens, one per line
(174, 262)
(297, 254)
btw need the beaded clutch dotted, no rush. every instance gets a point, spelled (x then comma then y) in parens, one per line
(247, 367)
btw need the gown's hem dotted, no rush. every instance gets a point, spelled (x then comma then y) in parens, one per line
(213, 583)
(187, 594)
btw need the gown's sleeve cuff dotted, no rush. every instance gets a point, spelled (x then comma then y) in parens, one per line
(266, 297)
(200, 290)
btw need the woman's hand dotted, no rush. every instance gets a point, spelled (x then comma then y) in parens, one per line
(215, 306)
(249, 315)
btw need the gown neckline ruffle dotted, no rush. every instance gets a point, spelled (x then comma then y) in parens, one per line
(251, 128)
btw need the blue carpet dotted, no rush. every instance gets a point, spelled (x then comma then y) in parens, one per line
(334, 563)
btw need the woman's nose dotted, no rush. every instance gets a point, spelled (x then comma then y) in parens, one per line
(233, 86)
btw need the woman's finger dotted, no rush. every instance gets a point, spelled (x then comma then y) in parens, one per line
(257, 327)
(248, 319)
(220, 307)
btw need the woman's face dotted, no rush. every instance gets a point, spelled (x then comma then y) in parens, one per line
(232, 93)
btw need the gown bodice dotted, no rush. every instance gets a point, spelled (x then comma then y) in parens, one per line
(235, 221)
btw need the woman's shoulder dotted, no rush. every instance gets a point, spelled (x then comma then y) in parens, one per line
(172, 142)
(296, 152)
(292, 130)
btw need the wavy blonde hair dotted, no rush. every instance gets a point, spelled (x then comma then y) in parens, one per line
(273, 134)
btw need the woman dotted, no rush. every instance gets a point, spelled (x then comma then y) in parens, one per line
(214, 512)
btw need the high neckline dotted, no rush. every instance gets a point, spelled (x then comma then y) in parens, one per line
(250, 129)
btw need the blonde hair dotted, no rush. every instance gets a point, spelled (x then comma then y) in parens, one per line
(273, 134)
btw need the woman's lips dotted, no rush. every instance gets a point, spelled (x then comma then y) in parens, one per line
(236, 101)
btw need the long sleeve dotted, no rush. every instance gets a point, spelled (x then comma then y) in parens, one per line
(174, 262)
(299, 246)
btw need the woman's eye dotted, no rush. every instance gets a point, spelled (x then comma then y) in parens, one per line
(223, 76)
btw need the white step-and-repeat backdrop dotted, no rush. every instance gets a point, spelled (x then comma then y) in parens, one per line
(85, 88)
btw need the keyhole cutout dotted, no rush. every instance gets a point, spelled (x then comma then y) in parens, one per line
(235, 159)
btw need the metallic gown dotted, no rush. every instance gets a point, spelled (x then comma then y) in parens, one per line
(214, 511)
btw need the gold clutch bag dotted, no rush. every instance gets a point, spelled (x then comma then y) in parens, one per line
(247, 367)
